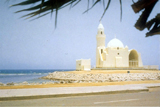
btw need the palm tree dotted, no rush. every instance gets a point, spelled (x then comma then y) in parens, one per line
(44, 7)
(142, 23)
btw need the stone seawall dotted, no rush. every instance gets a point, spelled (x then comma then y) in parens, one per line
(64, 77)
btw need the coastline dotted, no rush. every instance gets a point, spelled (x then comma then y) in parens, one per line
(83, 84)
(28, 75)
(79, 84)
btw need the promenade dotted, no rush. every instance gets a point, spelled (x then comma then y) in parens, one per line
(11, 94)
(141, 98)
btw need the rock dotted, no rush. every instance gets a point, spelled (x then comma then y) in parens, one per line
(110, 80)
(77, 81)
(80, 81)
(37, 83)
(33, 83)
(10, 84)
(43, 82)
(62, 82)
(158, 77)
(70, 81)
(25, 83)
(17, 83)
(1, 84)
(56, 82)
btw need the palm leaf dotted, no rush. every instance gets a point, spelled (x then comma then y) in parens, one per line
(37, 12)
(40, 16)
(32, 8)
(105, 9)
(43, 6)
(76, 3)
(92, 6)
(27, 2)
(104, 4)
(120, 1)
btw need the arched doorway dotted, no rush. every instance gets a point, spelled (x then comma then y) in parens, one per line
(133, 58)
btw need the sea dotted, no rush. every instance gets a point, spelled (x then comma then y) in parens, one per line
(30, 76)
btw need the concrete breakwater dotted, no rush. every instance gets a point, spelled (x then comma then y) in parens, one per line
(64, 77)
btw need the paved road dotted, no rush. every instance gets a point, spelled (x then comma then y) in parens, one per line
(151, 98)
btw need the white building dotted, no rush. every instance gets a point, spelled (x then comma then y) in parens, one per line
(83, 65)
(115, 55)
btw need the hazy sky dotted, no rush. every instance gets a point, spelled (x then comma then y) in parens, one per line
(37, 44)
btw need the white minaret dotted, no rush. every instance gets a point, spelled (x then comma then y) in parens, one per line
(100, 44)
(100, 36)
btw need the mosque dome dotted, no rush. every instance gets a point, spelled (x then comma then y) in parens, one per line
(115, 43)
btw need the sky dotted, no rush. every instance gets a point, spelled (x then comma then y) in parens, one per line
(37, 44)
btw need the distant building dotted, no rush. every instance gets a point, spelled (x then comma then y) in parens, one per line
(115, 55)
(83, 65)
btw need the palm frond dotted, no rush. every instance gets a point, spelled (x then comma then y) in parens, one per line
(104, 4)
(88, 5)
(76, 3)
(36, 12)
(40, 16)
(105, 9)
(92, 6)
(43, 6)
(120, 1)
(27, 2)
(32, 8)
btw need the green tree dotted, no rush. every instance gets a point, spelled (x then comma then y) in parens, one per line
(44, 7)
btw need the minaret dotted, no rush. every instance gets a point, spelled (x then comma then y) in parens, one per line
(100, 36)
(100, 44)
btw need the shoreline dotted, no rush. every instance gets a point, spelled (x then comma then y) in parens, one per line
(79, 84)
(108, 73)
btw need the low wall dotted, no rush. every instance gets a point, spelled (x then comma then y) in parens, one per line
(146, 67)
(140, 68)
(151, 67)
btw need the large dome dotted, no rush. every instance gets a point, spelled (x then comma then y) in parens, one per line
(115, 43)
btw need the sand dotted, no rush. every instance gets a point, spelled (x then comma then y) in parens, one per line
(78, 84)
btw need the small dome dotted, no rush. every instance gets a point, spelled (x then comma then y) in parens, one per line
(115, 43)
(100, 26)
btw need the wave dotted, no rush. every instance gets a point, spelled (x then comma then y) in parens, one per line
(2, 74)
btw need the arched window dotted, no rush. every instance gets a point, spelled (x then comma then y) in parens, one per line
(117, 48)
(118, 53)
(101, 32)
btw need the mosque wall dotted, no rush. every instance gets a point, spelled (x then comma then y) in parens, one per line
(116, 58)
(140, 60)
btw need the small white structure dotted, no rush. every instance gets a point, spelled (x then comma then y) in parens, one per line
(83, 65)
(115, 55)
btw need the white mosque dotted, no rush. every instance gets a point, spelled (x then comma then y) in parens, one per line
(114, 56)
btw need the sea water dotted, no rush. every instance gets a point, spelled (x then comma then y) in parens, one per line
(31, 76)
